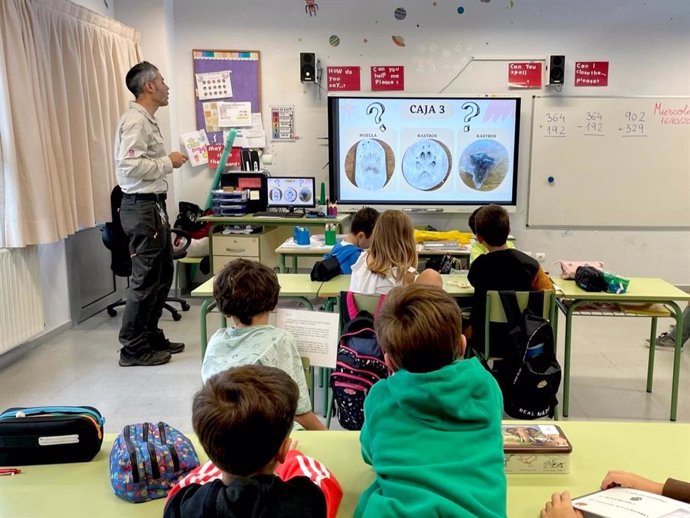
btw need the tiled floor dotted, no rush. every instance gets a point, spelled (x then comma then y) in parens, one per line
(80, 367)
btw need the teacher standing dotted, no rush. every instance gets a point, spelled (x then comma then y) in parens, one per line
(141, 167)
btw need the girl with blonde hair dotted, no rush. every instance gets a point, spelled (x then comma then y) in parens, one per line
(391, 259)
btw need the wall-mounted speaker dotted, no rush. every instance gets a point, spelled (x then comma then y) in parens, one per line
(556, 70)
(307, 67)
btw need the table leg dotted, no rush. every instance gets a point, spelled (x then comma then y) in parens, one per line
(294, 264)
(566, 357)
(206, 306)
(652, 350)
(676, 358)
(281, 263)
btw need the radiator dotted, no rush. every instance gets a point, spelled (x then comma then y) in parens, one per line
(21, 311)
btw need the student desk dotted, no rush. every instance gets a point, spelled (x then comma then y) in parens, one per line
(83, 490)
(290, 249)
(291, 285)
(642, 290)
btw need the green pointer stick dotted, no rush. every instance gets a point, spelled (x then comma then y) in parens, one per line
(221, 166)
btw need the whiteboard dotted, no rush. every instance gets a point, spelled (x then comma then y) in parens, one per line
(610, 162)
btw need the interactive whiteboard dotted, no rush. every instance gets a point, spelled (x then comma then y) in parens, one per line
(610, 162)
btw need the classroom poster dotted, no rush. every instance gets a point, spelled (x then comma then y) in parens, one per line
(234, 115)
(283, 122)
(525, 75)
(213, 85)
(592, 73)
(343, 79)
(215, 151)
(387, 78)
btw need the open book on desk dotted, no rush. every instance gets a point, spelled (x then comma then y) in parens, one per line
(621, 502)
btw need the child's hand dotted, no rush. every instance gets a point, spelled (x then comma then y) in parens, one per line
(631, 480)
(560, 507)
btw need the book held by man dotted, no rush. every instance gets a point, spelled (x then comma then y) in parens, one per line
(536, 449)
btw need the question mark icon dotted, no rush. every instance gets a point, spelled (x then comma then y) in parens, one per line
(377, 109)
(471, 114)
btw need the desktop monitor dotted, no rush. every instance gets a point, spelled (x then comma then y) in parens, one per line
(291, 192)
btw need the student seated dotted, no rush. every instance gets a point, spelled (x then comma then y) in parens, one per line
(560, 505)
(348, 250)
(432, 430)
(391, 259)
(243, 417)
(502, 268)
(246, 292)
(476, 248)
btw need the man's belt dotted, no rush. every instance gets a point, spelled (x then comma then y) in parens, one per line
(147, 196)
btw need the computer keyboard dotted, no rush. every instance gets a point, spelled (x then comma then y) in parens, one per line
(278, 214)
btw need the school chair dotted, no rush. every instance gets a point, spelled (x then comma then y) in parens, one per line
(364, 303)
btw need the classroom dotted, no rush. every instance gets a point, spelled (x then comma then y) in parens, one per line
(588, 100)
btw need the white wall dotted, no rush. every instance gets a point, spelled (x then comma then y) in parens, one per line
(644, 41)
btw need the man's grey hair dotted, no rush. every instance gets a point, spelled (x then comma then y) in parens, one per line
(139, 75)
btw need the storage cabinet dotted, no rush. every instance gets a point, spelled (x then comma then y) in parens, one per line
(255, 247)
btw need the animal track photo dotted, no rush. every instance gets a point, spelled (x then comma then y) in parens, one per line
(426, 165)
(369, 164)
(484, 165)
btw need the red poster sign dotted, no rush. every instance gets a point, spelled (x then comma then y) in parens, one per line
(343, 78)
(592, 73)
(525, 75)
(216, 150)
(387, 78)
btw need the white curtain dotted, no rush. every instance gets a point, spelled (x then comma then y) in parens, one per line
(62, 90)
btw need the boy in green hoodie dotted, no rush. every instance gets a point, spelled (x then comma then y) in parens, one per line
(432, 430)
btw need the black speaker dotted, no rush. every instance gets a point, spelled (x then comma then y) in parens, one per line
(307, 67)
(556, 70)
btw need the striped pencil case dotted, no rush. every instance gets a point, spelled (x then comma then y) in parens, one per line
(50, 435)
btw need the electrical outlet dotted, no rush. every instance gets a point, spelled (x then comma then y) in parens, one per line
(541, 257)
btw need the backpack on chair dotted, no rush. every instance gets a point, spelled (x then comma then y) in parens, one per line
(529, 375)
(359, 364)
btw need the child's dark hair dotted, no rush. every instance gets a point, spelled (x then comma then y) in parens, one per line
(245, 288)
(472, 220)
(242, 416)
(419, 327)
(493, 225)
(364, 221)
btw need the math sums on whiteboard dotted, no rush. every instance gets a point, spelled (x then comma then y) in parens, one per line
(592, 125)
(554, 124)
(634, 124)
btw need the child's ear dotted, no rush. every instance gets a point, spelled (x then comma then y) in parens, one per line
(283, 450)
(389, 362)
(480, 238)
(463, 346)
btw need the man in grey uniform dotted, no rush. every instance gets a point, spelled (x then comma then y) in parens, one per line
(141, 166)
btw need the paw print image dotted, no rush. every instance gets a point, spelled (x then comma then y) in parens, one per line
(426, 165)
(369, 164)
(290, 195)
(484, 165)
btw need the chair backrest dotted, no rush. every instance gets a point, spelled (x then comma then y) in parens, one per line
(496, 314)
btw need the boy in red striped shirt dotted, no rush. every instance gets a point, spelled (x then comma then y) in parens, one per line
(243, 417)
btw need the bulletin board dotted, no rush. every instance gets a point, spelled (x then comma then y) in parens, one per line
(610, 162)
(245, 82)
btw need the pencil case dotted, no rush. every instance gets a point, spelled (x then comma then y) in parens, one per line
(50, 435)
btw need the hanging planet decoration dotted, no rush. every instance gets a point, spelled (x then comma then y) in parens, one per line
(334, 40)
(400, 13)
(399, 41)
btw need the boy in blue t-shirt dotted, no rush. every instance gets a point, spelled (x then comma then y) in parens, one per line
(348, 249)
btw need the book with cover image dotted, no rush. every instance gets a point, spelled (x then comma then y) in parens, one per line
(621, 502)
(536, 449)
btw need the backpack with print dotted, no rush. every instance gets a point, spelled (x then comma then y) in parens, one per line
(529, 374)
(359, 364)
(148, 459)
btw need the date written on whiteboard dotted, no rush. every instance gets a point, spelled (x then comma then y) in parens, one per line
(555, 124)
(634, 125)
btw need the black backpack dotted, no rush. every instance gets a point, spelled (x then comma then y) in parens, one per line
(359, 364)
(529, 374)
